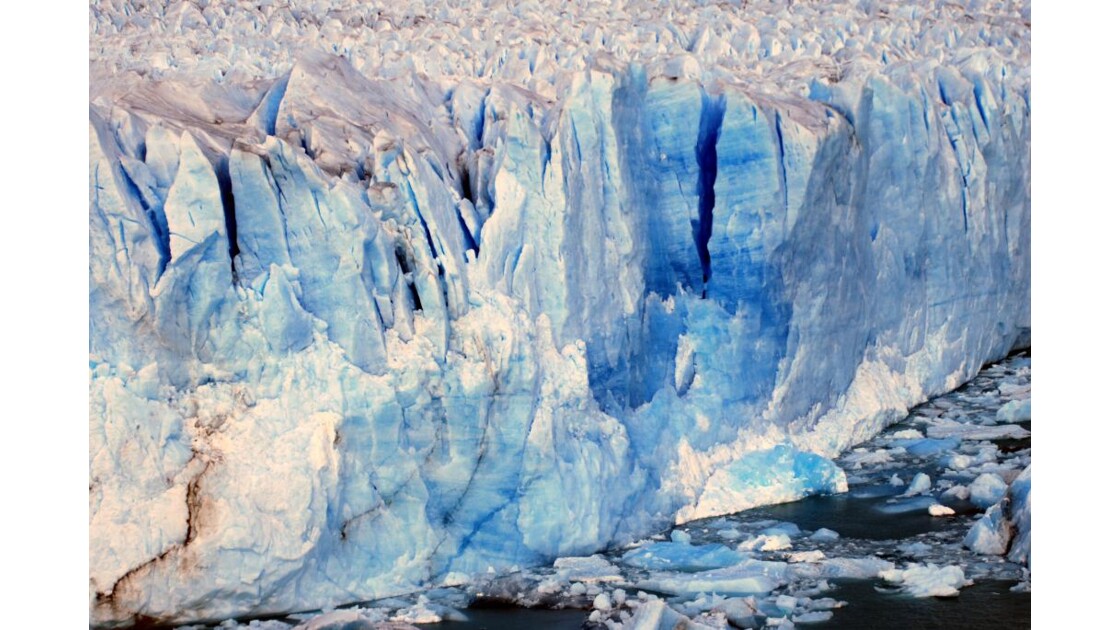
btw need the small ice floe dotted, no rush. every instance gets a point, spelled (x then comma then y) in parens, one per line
(729, 534)
(348, 618)
(1014, 411)
(816, 616)
(958, 492)
(857, 568)
(928, 580)
(927, 447)
(815, 555)
(824, 535)
(455, 578)
(1021, 518)
(959, 462)
(671, 556)
(418, 613)
(916, 549)
(749, 578)
(594, 568)
(936, 509)
(991, 534)
(655, 613)
(742, 612)
(1016, 391)
(861, 457)
(789, 529)
(987, 490)
(766, 542)
(905, 434)
(919, 484)
(948, 429)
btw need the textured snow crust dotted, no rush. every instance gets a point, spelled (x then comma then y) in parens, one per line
(384, 294)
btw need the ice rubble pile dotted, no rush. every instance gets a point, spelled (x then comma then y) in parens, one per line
(379, 294)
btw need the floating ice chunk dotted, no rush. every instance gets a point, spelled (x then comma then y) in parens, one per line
(730, 533)
(766, 542)
(594, 568)
(789, 529)
(959, 462)
(682, 557)
(748, 578)
(1021, 518)
(602, 602)
(987, 490)
(740, 611)
(680, 536)
(906, 434)
(957, 492)
(418, 613)
(816, 555)
(550, 586)
(862, 457)
(919, 484)
(936, 509)
(928, 580)
(777, 475)
(915, 549)
(950, 429)
(455, 578)
(824, 535)
(816, 616)
(655, 614)
(786, 603)
(896, 480)
(825, 603)
(349, 619)
(991, 533)
(930, 446)
(1014, 411)
(859, 568)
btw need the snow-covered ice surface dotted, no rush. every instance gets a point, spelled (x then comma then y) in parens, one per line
(383, 294)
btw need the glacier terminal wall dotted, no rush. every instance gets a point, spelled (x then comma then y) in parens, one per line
(367, 315)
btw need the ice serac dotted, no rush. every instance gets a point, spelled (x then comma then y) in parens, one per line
(360, 322)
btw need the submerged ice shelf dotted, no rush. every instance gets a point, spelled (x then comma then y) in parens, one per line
(360, 324)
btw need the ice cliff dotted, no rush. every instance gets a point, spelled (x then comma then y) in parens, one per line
(383, 293)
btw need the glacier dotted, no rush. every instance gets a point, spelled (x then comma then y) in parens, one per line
(375, 299)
